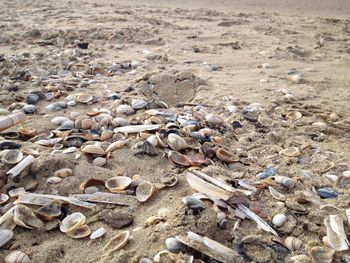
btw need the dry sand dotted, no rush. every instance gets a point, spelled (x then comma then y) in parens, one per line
(173, 37)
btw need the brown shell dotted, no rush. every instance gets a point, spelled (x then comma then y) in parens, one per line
(179, 158)
(226, 156)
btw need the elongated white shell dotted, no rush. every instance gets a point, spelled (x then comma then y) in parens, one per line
(5, 236)
(136, 128)
(98, 233)
(116, 145)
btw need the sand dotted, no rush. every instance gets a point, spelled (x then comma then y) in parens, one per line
(180, 44)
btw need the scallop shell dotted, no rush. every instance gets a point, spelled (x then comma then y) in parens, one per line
(72, 221)
(3, 198)
(84, 98)
(118, 183)
(98, 233)
(50, 211)
(285, 181)
(179, 158)
(293, 243)
(25, 217)
(176, 142)
(277, 195)
(322, 254)
(144, 191)
(64, 172)
(93, 149)
(226, 156)
(17, 256)
(79, 232)
(125, 109)
(117, 242)
(5, 236)
(12, 156)
(214, 119)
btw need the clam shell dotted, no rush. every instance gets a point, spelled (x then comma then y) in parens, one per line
(72, 221)
(93, 149)
(226, 156)
(285, 181)
(291, 152)
(106, 135)
(144, 191)
(12, 156)
(118, 183)
(179, 158)
(17, 256)
(64, 172)
(120, 122)
(3, 198)
(98, 233)
(265, 121)
(214, 119)
(138, 104)
(84, 98)
(5, 236)
(27, 132)
(117, 242)
(116, 145)
(176, 142)
(86, 123)
(99, 161)
(50, 211)
(54, 180)
(277, 195)
(125, 109)
(153, 140)
(293, 243)
(79, 232)
(322, 254)
(294, 115)
(25, 217)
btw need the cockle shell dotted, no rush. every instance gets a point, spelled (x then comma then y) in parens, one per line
(79, 232)
(226, 156)
(176, 142)
(293, 243)
(118, 183)
(72, 221)
(17, 256)
(144, 191)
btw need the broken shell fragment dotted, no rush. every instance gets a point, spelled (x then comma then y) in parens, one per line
(118, 183)
(322, 254)
(27, 132)
(17, 256)
(336, 236)
(50, 211)
(12, 156)
(277, 195)
(25, 217)
(144, 191)
(98, 233)
(293, 243)
(3, 198)
(79, 232)
(226, 156)
(72, 221)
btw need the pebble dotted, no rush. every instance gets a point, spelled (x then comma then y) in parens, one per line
(279, 220)
(173, 245)
(327, 192)
(194, 203)
(99, 161)
(29, 109)
(32, 99)
(118, 220)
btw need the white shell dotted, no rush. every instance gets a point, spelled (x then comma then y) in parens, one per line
(12, 156)
(285, 181)
(98, 233)
(138, 104)
(59, 120)
(293, 243)
(144, 191)
(17, 256)
(279, 220)
(118, 183)
(335, 232)
(214, 119)
(176, 142)
(125, 109)
(3, 198)
(5, 236)
(72, 221)
(54, 180)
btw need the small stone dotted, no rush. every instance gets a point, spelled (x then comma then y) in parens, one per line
(29, 109)
(223, 224)
(99, 161)
(173, 245)
(118, 220)
(194, 203)
(32, 98)
(91, 190)
(279, 220)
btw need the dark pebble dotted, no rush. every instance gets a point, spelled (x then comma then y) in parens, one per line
(83, 45)
(32, 99)
(118, 220)
(327, 192)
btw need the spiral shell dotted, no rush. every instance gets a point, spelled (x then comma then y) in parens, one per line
(17, 256)
(293, 243)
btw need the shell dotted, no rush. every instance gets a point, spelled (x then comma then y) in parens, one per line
(72, 221)
(118, 121)
(98, 233)
(293, 243)
(18, 168)
(93, 149)
(25, 217)
(294, 115)
(265, 121)
(176, 142)
(136, 128)
(12, 156)
(173, 245)
(27, 132)
(144, 191)
(17, 256)
(327, 192)
(279, 220)
(125, 109)
(99, 161)
(320, 126)
(79, 232)
(50, 211)
(277, 195)
(5, 236)
(84, 98)
(11, 120)
(291, 152)
(322, 254)
(153, 140)
(116, 145)
(179, 158)
(118, 183)
(59, 120)
(3, 198)
(54, 180)
(285, 181)
(117, 242)
(214, 119)
(86, 123)
(226, 156)
(335, 232)
(138, 104)
(64, 172)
